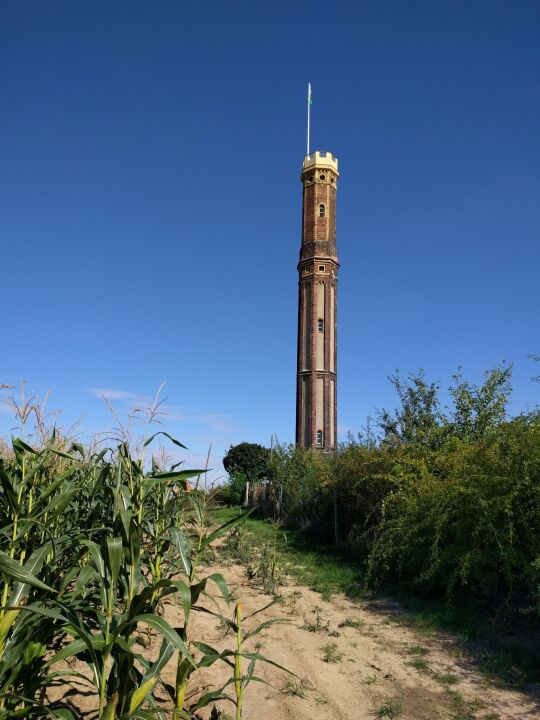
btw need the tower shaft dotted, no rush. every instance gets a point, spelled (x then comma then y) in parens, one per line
(316, 387)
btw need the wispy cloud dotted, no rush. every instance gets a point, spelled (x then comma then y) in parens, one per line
(5, 409)
(172, 415)
(116, 394)
(216, 422)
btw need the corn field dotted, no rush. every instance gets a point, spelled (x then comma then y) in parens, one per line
(91, 544)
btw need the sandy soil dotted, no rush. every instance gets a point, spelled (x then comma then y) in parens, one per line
(373, 668)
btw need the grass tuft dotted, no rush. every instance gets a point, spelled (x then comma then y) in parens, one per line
(389, 709)
(464, 709)
(352, 623)
(417, 650)
(420, 664)
(446, 678)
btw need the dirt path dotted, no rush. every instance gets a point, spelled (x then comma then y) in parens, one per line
(374, 666)
(372, 652)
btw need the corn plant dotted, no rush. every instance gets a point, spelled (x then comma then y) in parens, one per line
(240, 679)
(92, 542)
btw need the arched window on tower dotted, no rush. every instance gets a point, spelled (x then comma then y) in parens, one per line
(322, 210)
(319, 437)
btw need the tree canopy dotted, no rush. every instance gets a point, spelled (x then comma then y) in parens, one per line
(421, 420)
(248, 459)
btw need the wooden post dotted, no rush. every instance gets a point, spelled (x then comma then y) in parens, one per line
(336, 533)
(246, 499)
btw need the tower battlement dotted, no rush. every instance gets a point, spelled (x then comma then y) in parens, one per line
(320, 159)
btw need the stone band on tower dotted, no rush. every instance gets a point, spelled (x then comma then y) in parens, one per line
(316, 387)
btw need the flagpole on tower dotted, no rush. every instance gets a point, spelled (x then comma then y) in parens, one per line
(308, 113)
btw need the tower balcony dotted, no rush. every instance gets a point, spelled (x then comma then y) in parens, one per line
(319, 159)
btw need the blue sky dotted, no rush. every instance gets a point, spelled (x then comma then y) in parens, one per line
(150, 202)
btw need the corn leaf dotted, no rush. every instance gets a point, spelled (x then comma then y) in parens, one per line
(76, 648)
(141, 692)
(161, 432)
(185, 596)
(11, 568)
(114, 553)
(264, 625)
(165, 630)
(183, 546)
(219, 580)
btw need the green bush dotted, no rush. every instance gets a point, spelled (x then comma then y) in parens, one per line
(445, 503)
(234, 490)
(474, 526)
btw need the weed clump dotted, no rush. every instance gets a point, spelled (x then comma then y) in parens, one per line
(445, 678)
(352, 623)
(331, 653)
(419, 663)
(389, 709)
(319, 626)
(297, 688)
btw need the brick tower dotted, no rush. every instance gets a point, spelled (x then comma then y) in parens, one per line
(316, 390)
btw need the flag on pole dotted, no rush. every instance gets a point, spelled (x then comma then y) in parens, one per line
(309, 102)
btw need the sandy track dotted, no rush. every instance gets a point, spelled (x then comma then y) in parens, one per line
(374, 666)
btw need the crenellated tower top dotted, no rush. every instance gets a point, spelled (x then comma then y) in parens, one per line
(321, 160)
(319, 177)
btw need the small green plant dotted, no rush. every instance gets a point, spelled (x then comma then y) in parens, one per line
(389, 709)
(223, 626)
(417, 650)
(238, 544)
(318, 626)
(326, 593)
(352, 623)
(370, 679)
(331, 653)
(419, 663)
(291, 602)
(464, 709)
(266, 568)
(235, 659)
(445, 678)
(296, 688)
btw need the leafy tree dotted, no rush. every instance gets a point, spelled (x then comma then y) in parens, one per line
(234, 491)
(478, 409)
(250, 459)
(536, 358)
(420, 415)
(246, 462)
(420, 420)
